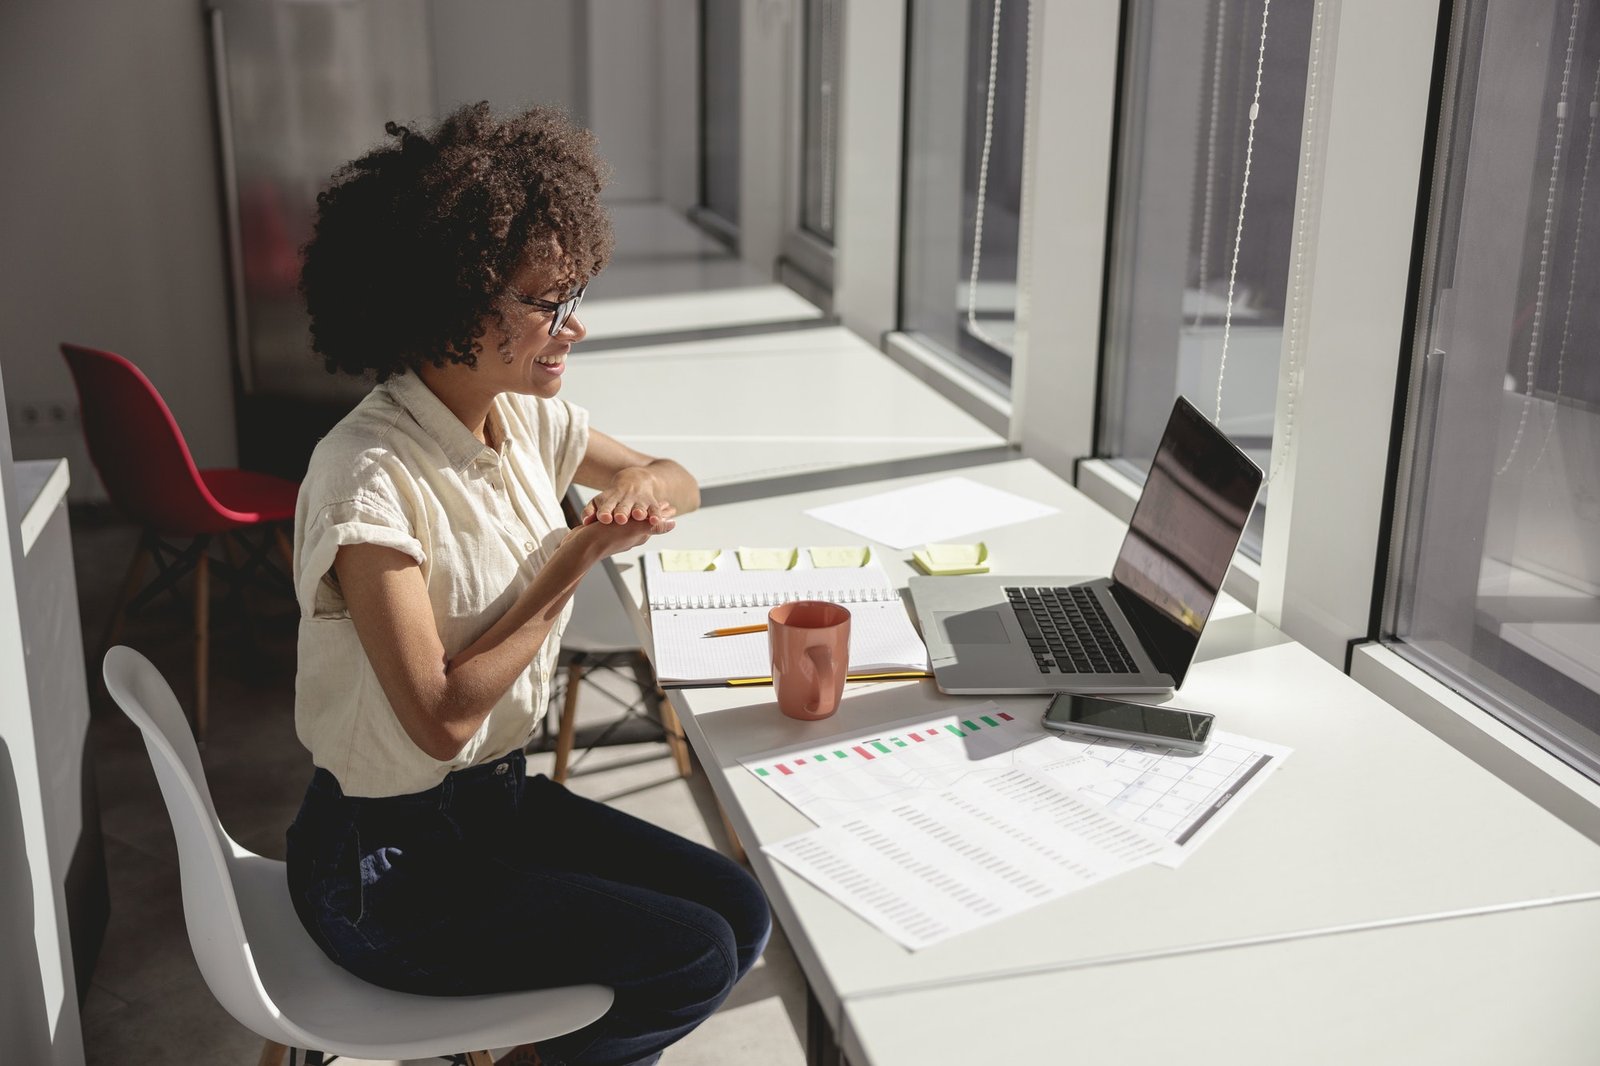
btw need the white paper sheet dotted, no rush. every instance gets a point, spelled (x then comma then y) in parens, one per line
(840, 777)
(937, 864)
(1183, 797)
(940, 510)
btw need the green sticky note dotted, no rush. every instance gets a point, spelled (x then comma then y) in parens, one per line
(834, 558)
(946, 560)
(696, 559)
(768, 558)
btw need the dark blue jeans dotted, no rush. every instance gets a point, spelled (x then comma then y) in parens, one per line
(494, 881)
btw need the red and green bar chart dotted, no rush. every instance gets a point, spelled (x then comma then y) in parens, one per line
(836, 777)
(877, 746)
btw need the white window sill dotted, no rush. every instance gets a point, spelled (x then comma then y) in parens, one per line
(964, 390)
(1483, 738)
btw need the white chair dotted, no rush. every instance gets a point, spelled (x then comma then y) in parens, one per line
(259, 961)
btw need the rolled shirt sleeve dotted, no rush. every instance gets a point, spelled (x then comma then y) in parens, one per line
(347, 499)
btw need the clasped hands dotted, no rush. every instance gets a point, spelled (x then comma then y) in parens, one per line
(634, 500)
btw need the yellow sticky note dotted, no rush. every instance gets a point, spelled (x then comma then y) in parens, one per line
(956, 555)
(695, 559)
(768, 558)
(948, 560)
(831, 558)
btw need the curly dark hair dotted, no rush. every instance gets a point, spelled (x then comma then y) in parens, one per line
(416, 243)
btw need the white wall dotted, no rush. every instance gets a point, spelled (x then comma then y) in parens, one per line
(606, 61)
(508, 52)
(110, 220)
(39, 1020)
(678, 103)
(766, 82)
(624, 87)
(110, 210)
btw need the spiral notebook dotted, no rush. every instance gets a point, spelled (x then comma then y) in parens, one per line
(687, 605)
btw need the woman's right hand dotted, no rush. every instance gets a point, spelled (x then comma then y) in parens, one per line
(605, 538)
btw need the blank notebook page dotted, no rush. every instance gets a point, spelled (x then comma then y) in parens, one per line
(685, 606)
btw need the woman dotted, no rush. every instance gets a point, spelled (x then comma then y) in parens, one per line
(434, 573)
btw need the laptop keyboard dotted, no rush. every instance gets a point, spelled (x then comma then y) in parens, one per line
(1068, 631)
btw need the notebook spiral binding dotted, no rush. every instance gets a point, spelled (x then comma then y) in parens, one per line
(772, 598)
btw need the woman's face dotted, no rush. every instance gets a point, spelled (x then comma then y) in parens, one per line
(537, 359)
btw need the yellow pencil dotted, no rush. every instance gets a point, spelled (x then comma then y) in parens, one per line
(734, 631)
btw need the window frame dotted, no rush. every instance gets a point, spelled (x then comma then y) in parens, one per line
(1486, 725)
(806, 261)
(1327, 546)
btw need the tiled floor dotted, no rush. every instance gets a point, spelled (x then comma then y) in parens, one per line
(147, 1002)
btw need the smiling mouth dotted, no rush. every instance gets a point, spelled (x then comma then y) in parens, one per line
(554, 362)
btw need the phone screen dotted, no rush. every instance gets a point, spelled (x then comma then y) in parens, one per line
(1187, 726)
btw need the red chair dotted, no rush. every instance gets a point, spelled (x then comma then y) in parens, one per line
(147, 470)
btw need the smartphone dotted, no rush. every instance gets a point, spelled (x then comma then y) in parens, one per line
(1166, 726)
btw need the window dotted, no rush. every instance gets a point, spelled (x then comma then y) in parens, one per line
(806, 264)
(1495, 583)
(719, 118)
(820, 133)
(1194, 274)
(967, 99)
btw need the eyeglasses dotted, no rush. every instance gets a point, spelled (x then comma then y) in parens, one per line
(559, 312)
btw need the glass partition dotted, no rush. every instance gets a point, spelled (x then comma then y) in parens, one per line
(963, 185)
(1496, 573)
(1207, 162)
(719, 117)
(819, 155)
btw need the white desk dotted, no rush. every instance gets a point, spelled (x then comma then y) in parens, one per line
(1371, 820)
(1516, 987)
(739, 409)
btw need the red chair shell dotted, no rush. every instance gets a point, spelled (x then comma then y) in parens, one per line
(145, 464)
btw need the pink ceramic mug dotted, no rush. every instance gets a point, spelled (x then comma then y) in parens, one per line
(810, 656)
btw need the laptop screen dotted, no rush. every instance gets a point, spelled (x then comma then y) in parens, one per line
(1183, 534)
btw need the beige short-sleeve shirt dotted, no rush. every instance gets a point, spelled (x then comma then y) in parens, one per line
(402, 471)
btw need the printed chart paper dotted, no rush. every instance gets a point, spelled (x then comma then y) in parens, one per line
(936, 864)
(841, 777)
(941, 510)
(1183, 797)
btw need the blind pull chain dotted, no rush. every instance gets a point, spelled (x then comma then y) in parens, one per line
(1544, 244)
(1244, 192)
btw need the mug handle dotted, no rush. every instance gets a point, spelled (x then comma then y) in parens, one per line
(823, 667)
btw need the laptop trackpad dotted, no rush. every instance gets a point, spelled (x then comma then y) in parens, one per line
(974, 627)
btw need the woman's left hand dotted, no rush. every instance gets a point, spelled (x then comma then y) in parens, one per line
(634, 495)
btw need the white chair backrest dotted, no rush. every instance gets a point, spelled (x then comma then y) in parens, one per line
(210, 907)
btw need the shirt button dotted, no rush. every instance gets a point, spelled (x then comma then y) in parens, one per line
(527, 545)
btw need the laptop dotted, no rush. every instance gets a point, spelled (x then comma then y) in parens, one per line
(1135, 631)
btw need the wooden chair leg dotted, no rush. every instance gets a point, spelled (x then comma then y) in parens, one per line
(130, 585)
(479, 1058)
(202, 642)
(733, 838)
(272, 1054)
(674, 731)
(569, 723)
(285, 549)
(229, 549)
